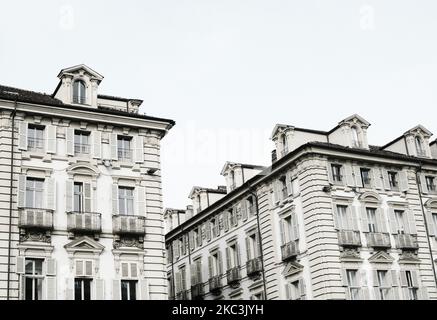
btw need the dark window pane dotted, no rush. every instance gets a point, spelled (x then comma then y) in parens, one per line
(29, 289)
(133, 290)
(87, 289)
(124, 290)
(77, 289)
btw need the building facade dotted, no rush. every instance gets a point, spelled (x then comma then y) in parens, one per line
(332, 218)
(80, 200)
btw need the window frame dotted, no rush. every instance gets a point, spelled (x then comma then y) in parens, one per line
(124, 199)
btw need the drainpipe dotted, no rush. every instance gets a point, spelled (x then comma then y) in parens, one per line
(419, 188)
(172, 270)
(260, 239)
(10, 196)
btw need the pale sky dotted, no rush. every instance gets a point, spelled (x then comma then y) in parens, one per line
(227, 71)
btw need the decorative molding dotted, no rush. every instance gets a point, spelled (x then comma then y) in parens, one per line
(381, 257)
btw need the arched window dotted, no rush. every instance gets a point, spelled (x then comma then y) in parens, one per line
(79, 93)
(419, 147)
(355, 137)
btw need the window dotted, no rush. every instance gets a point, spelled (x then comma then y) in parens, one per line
(430, 183)
(336, 173)
(393, 180)
(353, 285)
(199, 204)
(294, 290)
(214, 265)
(400, 221)
(129, 289)
(79, 92)
(434, 220)
(78, 197)
(232, 180)
(170, 287)
(251, 206)
(252, 246)
(232, 256)
(126, 200)
(419, 147)
(344, 218)
(412, 287)
(82, 289)
(289, 229)
(283, 186)
(183, 272)
(384, 285)
(365, 176)
(124, 148)
(35, 138)
(232, 218)
(284, 144)
(371, 219)
(33, 279)
(214, 227)
(81, 142)
(34, 193)
(197, 275)
(355, 137)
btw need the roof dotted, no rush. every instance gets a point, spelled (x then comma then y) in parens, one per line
(418, 127)
(219, 189)
(243, 165)
(27, 96)
(104, 96)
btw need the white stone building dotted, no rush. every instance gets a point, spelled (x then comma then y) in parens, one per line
(332, 218)
(80, 194)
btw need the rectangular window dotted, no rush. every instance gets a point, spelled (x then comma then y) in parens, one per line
(294, 290)
(126, 201)
(400, 221)
(412, 289)
(365, 176)
(124, 148)
(82, 289)
(198, 275)
(233, 260)
(252, 249)
(183, 273)
(34, 193)
(129, 289)
(336, 173)
(78, 197)
(81, 142)
(33, 279)
(283, 187)
(371, 219)
(393, 180)
(434, 220)
(430, 183)
(384, 287)
(353, 285)
(35, 138)
(343, 219)
(215, 265)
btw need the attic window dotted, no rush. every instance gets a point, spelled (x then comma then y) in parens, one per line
(355, 138)
(419, 147)
(79, 93)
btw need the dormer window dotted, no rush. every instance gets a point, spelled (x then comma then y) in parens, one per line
(284, 145)
(79, 92)
(232, 180)
(419, 147)
(355, 138)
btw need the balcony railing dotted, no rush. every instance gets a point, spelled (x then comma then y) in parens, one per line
(253, 266)
(289, 250)
(35, 144)
(349, 238)
(378, 240)
(215, 284)
(406, 241)
(33, 218)
(123, 224)
(84, 222)
(182, 295)
(233, 275)
(197, 291)
(81, 148)
(124, 154)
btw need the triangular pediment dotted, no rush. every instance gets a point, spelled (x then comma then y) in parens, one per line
(84, 244)
(81, 69)
(419, 129)
(381, 257)
(279, 128)
(356, 119)
(292, 268)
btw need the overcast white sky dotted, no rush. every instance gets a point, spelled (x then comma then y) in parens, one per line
(227, 71)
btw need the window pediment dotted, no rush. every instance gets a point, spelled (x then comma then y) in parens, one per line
(292, 268)
(84, 244)
(83, 169)
(370, 197)
(381, 257)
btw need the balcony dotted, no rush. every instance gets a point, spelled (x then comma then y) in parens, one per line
(253, 267)
(33, 218)
(197, 291)
(81, 149)
(406, 242)
(35, 144)
(124, 154)
(378, 240)
(349, 238)
(123, 224)
(215, 284)
(233, 275)
(289, 250)
(86, 222)
(182, 295)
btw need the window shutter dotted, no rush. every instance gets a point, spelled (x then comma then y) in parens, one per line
(386, 180)
(295, 226)
(377, 293)
(403, 181)
(96, 144)
(364, 221)
(114, 199)
(228, 258)
(178, 282)
(393, 222)
(302, 289)
(125, 270)
(69, 141)
(415, 278)
(88, 268)
(79, 268)
(235, 214)
(423, 185)
(411, 221)
(199, 236)
(357, 174)
(175, 249)
(51, 288)
(352, 219)
(199, 271)
(50, 139)
(244, 209)
(329, 171)
(349, 176)
(210, 267)
(344, 280)
(69, 291)
(22, 135)
(184, 245)
(288, 183)
(282, 231)
(377, 182)
(394, 278)
(114, 147)
(208, 231)
(191, 239)
(50, 193)
(248, 255)
(404, 282)
(20, 267)
(141, 200)
(276, 197)
(220, 262)
(193, 272)
(225, 220)
(133, 270)
(116, 289)
(257, 244)
(69, 195)
(380, 221)
(334, 217)
(51, 267)
(144, 289)
(423, 293)
(139, 149)
(430, 223)
(99, 289)
(238, 254)
(287, 291)
(87, 196)
(21, 191)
